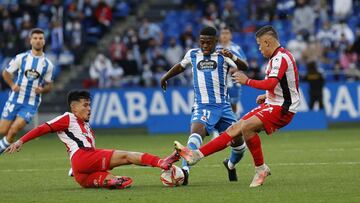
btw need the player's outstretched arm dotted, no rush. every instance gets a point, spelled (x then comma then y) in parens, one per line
(175, 70)
(266, 84)
(34, 133)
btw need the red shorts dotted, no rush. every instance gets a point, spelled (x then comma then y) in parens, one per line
(91, 162)
(272, 117)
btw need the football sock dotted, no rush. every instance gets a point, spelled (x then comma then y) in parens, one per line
(237, 153)
(217, 144)
(194, 142)
(3, 144)
(150, 160)
(254, 146)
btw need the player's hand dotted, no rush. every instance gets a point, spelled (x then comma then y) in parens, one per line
(260, 99)
(240, 77)
(226, 53)
(15, 88)
(14, 147)
(163, 84)
(39, 90)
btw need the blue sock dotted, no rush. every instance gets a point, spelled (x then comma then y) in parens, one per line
(237, 153)
(3, 144)
(194, 142)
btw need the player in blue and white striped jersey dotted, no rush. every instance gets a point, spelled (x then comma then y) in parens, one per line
(226, 43)
(211, 110)
(234, 94)
(34, 77)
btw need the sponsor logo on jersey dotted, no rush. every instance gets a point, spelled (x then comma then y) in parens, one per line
(207, 65)
(32, 74)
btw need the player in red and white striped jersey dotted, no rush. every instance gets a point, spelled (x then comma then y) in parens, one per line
(276, 110)
(91, 165)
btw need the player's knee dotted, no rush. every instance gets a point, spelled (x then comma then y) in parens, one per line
(246, 128)
(234, 130)
(4, 130)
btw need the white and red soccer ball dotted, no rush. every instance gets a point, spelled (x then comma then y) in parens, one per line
(172, 177)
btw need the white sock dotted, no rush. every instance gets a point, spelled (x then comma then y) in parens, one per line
(231, 166)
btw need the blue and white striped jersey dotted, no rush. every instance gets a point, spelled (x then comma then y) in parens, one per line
(32, 71)
(209, 73)
(237, 50)
(234, 48)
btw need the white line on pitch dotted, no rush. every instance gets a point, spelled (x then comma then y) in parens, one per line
(201, 166)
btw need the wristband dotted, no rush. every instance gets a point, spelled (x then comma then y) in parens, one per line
(234, 58)
(248, 82)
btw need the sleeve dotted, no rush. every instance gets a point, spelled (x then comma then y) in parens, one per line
(242, 55)
(59, 123)
(14, 64)
(266, 84)
(49, 73)
(36, 132)
(186, 60)
(278, 67)
(230, 62)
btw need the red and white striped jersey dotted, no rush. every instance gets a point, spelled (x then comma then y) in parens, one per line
(73, 132)
(286, 93)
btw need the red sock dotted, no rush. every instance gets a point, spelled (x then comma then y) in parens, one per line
(150, 160)
(254, 146)
(217, 144)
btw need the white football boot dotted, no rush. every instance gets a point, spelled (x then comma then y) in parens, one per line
(191, 156)
(261, 172)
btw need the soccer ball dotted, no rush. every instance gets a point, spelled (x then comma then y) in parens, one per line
(172, 177)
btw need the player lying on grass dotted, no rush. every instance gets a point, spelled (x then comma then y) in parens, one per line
(277, 107)
(90, 165)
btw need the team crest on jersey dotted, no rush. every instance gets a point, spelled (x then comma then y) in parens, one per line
(32, 74)
(207, 65)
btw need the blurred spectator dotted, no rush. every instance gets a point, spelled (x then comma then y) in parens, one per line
(187, 38)
(211, 16)
(103, 71)
(326, 35)
(103, 15)
(230, 16)
(304, 18)
(57, 38)
(263, 9)
(342, 9)
(174, 52)
(343, 33)
(75, 38)
(57, 12)
(348, 60)
(313, 51)
(297, 46)
(118, 50)
(149, 31)
(316, 84)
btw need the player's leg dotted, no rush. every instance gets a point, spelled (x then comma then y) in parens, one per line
(250, 130)
(119, 158)
(215, 145)
(15, 127)
(4, 128)
(238, 145)
(195, 140)
(102, 179)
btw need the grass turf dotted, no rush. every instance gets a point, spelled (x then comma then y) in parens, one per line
(308, 166)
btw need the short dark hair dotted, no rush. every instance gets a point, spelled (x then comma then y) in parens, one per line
(267, 29)
(76, 95)
(36, 31)
(208, 31)
(226, 28)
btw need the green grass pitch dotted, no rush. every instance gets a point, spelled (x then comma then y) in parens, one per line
(308, 166)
